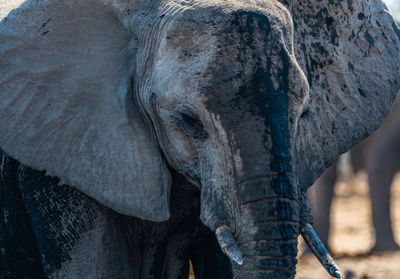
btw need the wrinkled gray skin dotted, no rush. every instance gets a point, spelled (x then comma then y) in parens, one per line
(379, 156)
(249, 100)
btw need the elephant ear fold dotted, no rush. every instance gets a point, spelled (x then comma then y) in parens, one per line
(66, 105)
(349, 51)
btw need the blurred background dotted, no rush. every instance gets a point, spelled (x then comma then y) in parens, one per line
(394, 7)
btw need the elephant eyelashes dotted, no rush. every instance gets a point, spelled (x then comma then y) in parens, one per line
(191, 125)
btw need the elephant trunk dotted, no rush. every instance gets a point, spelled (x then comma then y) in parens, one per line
(265, 240)
(269, 258)
(268, 229)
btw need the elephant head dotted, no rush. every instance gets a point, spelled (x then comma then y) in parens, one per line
(249, 100)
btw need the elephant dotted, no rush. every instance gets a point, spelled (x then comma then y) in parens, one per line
(378, 156)
(137, 136)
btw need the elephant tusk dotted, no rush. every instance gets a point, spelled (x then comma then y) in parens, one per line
(314, 243)
(228, 244)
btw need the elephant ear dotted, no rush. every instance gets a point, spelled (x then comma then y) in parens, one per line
(66, 105)
(349, 51)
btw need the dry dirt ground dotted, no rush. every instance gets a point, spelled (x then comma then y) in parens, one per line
(352, 235)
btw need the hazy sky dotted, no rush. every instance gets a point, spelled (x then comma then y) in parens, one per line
(394, 8)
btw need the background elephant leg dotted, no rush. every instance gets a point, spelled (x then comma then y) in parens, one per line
(320, 197)
(380, 179)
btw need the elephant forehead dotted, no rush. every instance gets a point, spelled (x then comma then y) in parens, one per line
(253, 80)
(203, 43)
(209, 8)
(188, 19)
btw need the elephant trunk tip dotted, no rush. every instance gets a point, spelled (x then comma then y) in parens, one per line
(314, 243)
(228, 244)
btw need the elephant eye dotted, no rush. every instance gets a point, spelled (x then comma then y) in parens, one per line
(191, 125)
(189, 120)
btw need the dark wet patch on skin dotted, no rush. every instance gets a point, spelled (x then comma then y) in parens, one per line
(60, 215)
(260, 66)
(320, 24)
(275, 231)
(51, 211)
(271, 105)
(270, 210)
(362, 93)
(258, 95)
(42, 33)
(350, 5)
(19, 252)
(272, 249)
(274, 263)
(352, 20)
(369, 38)
(261, 189)
(350, 66)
